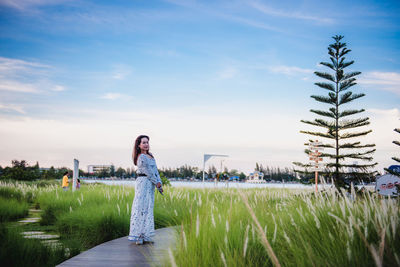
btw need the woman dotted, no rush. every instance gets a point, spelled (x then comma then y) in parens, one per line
(142, 218)
(65, 183)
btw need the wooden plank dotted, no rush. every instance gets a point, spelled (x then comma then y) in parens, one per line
(122, 252)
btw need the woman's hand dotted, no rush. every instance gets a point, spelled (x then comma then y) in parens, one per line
(159, 187)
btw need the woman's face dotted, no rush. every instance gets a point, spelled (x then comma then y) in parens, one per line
(144, 144)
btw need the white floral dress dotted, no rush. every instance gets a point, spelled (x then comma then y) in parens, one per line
(142, 216)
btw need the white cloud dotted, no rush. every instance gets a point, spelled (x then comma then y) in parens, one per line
(250, 22)
(294, 15)
(27, 4)
(10, 65)
(383, 123)
(391, 113)
(22, 76)
(289, 70)
(111, 96)
(228, 73)
(15, 86)
(387, 81)
(177, 137)
(106, 136)
(214, 11)
(8, 107)
(121, 71)
(160, 52)
(58, 88)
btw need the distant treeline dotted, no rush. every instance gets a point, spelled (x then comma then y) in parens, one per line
(276, 173)
(21, 170)
(187, 171)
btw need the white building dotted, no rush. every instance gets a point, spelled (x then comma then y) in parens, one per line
(256, 178)
(98, 168)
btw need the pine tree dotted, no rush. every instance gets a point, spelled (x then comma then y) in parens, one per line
(337, 124)
(395, 158)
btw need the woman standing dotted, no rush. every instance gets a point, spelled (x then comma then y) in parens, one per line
(142, 217)
(65, 182)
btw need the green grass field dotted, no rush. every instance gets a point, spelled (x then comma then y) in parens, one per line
(216, 227)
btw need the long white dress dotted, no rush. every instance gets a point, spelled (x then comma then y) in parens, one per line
(142, 216)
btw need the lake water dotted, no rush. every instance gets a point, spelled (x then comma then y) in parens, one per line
(216, 185)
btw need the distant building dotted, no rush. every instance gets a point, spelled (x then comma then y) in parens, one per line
(256, 178)
(98, 168)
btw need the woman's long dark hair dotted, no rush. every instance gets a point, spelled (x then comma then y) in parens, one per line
(136, 149)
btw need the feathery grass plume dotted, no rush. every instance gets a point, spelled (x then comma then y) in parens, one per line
(382, 245)
(246, 241)
(268, 247)
(300, 211)
(197, 225)
(331, 236)
(223, 258)
(348, 250)
(171, 257)
(393, 224)
(292, 221)
(276, 228)
(184, 239)
(370, 247)
(317, 222)
(286, 237)
(212, 220)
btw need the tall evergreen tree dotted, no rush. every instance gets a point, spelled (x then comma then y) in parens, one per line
(337, 124)
(395, 158)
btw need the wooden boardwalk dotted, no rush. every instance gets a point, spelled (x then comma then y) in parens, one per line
(122, 252)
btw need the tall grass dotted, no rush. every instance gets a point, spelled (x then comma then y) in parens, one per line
(14, 198)
(94, 214)
(18, 251)
(303, 229)
(216, 227)
(11, 209)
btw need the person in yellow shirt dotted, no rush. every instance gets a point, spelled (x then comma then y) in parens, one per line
(65, 182)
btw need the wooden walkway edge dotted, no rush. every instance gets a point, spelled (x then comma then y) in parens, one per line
(122, 252)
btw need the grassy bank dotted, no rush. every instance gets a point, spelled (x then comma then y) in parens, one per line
(216, 228)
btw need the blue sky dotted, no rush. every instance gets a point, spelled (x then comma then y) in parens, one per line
(83, 78)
